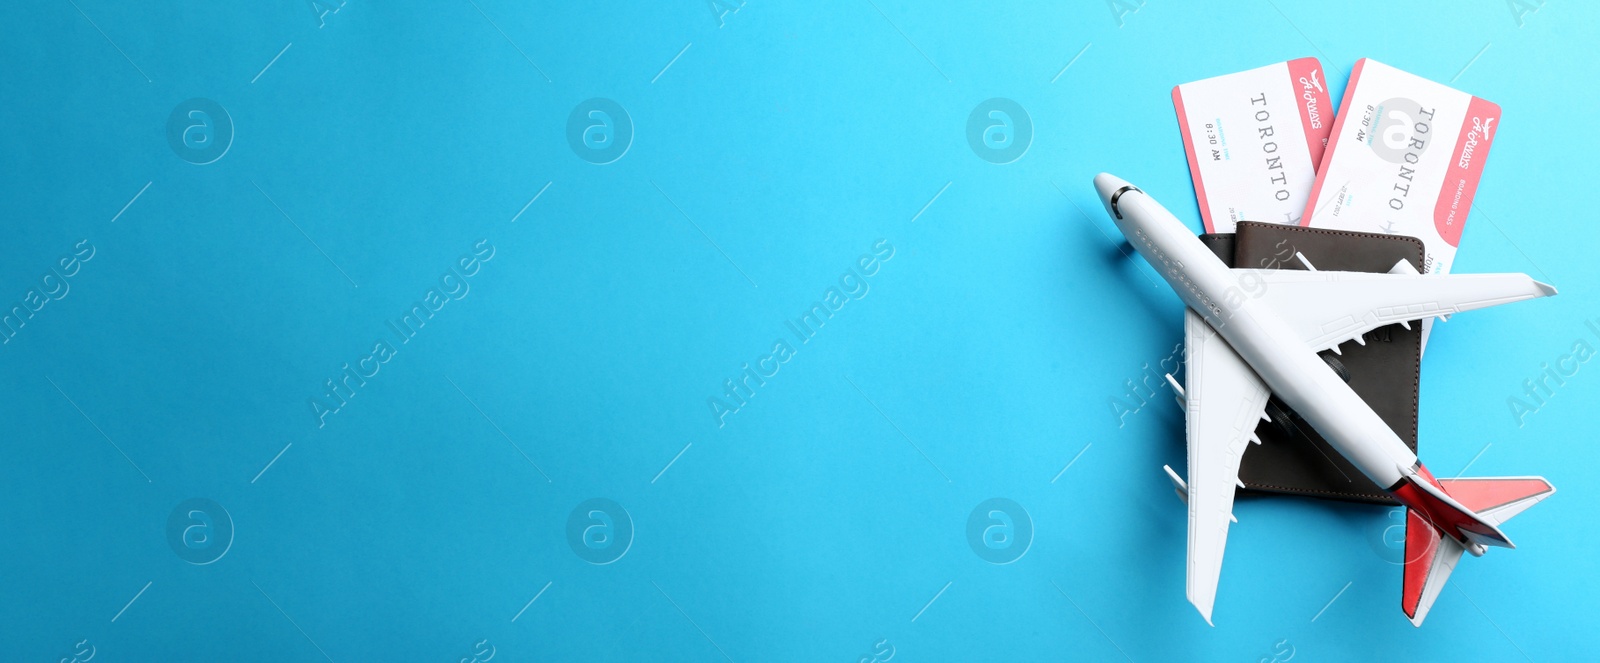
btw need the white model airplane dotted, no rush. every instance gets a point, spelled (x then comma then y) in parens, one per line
(1253, 333)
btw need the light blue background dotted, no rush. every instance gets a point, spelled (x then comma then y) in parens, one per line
(794, 136)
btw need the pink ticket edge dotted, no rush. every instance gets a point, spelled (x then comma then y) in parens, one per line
(1194, 163)
(1450, 220)
(1338, 128)
(1313, 98)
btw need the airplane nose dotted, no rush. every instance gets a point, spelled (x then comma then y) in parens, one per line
(1108, 185)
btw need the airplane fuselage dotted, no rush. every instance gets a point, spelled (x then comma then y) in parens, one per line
(1228, 299)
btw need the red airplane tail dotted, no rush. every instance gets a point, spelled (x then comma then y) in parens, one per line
(1445, 518)
(1441, 508)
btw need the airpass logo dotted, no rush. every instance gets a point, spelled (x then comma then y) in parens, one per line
(1481, 128)
(1313, 82)
(1313, 113)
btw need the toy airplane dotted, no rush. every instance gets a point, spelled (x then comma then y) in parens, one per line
(1253, 333)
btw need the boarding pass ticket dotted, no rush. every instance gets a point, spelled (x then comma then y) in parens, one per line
(1405, 159)
(1254, 141)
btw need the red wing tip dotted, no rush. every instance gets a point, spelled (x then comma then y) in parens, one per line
(1412, 614)
(1482, 493)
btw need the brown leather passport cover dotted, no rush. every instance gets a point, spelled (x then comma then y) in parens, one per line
(1292, 458)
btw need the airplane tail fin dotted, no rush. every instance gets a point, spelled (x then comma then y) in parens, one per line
(1466, 519)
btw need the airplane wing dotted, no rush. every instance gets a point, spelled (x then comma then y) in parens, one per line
(1430, 556)
(1329, 308)
(1224, 400)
